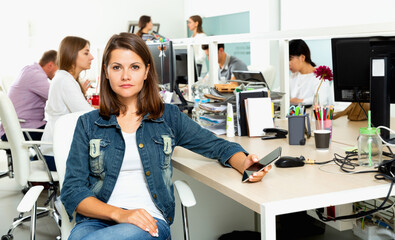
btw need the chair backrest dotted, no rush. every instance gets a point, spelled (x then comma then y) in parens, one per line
(19, 150)
(3, 87)
(62, 138)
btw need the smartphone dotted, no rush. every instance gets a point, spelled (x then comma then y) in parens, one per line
(259, 166)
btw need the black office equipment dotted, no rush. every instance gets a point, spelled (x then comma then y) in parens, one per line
(265, 161)
(134, 27)
(364, 71)
(250, 76)
(274, 133)
(164, 58)
(182, 67)
(286, 162)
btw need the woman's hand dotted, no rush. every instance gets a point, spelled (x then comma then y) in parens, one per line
(256, 176)
(241, 162)
(296, 101)
(139, 217)
(85, 86)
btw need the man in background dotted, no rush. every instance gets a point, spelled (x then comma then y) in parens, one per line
(29, 93)
(227, 63)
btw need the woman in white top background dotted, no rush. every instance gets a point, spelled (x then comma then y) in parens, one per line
(195, 23)
(303, 83)
(66, 93)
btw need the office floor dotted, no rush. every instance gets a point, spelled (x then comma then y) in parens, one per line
(10, 195)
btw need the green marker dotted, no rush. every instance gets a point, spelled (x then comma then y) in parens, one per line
(297, 111)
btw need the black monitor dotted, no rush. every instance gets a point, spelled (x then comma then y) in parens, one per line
(364, 71)
(164, 58)
(182, 67)
(134, 27)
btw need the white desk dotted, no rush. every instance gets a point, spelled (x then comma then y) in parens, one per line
(282, 190)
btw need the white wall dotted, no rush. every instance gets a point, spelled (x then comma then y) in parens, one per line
(328, 13)
(320, 13)
(28, 28)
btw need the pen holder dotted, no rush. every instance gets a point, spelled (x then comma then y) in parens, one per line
(296, 129)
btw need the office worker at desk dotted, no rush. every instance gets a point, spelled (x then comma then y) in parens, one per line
(29, 92)
(66, 94)
(195, 23)
(303, 83)
(227, 63)
(118, 172)
(145, 25)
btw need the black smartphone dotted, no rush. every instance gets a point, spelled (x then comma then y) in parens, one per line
(259, 166)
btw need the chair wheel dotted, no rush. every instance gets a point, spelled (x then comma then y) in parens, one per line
(7, 237)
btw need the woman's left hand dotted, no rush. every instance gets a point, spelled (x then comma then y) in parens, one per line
(256, 176)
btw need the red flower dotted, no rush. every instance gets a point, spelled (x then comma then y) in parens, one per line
(324, 73)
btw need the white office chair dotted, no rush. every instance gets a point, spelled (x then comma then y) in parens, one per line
(22, 169)
(2, 86)
(63, 136)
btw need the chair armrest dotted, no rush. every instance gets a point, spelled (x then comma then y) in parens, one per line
(4, 145)
(32, 130)
(31, 143)
(30, 198)
(185, 193)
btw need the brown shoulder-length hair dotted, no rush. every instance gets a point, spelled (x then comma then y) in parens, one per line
(197, 18)
(143, 21)
(148, 99)
(68, 52)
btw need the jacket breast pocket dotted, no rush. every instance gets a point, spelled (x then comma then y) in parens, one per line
(97, 151)
(164, 145)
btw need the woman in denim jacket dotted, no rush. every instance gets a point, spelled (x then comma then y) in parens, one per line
(118, 173)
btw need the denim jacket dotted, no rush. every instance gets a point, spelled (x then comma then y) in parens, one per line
(100, 141)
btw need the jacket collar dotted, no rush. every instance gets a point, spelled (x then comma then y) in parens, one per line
(112, 121)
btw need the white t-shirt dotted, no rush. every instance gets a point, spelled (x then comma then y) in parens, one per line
(200, 55)
(64, 97)
(131, 189)
(304, 86)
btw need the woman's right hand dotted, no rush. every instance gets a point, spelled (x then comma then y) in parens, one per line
(139, 217)
(85, 86)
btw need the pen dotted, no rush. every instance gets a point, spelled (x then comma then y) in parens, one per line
(319, 113)
(297, 111)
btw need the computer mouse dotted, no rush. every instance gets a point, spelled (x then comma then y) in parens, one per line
(286, 162)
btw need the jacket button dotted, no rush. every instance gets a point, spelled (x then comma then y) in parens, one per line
(155, 195)
(169, 219)
(141, 145)
(147, 173)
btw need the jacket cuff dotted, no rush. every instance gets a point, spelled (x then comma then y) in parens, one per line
(229, 152)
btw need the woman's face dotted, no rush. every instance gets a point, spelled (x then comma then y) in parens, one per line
(192, 25)
(149, 26)
(296, 63)
(126, 72)
(84, 59)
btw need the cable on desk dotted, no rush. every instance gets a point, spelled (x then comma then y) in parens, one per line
(345, 163)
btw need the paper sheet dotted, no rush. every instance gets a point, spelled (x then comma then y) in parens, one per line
(259, 115)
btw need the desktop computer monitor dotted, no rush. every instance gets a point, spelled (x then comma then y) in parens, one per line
(250, 76)
(182, 67)
(364, 71)
(164, 61)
